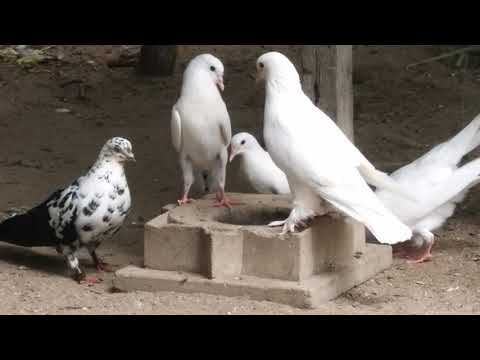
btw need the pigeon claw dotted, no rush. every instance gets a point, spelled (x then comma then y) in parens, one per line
(288, 228)
(90, 280)
(277, 223)
(420, 260)
(425, 256)
(413, 256)
(104, 267)
(184, 201)
(224, 203)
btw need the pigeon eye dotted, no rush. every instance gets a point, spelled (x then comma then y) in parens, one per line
(262, 65)
(212, 68)
(116, 148)
(243, 142)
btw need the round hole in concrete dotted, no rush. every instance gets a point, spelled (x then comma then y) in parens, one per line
(253, 216)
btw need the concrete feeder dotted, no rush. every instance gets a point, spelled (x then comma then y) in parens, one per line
(202, 249)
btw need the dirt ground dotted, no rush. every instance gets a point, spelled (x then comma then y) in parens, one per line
(400, 114)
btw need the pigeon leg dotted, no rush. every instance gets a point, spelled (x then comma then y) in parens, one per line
(285, 222)
(219, 173)
(188, 179)
(424, 256)
(426, 253)
(294, 220)
(223, 201)
(99, 264)
(74, 265)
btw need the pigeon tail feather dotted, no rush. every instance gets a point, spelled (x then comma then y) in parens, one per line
(382, 181)
(28, 230)
(476, 138)
(452, 151)
(455, 187)
(386, 228)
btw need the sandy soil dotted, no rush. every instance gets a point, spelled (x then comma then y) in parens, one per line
(399, 113)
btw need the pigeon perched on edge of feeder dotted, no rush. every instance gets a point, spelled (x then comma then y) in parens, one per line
(200, 126)
(82, 215)
(439, 185)
(257, 165)
(321, 164)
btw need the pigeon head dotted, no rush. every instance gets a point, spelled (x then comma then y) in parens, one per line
(275, 68)
(207, 67)
(242, 143)
(119, 149)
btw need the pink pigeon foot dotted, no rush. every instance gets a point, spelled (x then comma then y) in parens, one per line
(222, 201)
(89, 280)
(184, 200)
(424, 256)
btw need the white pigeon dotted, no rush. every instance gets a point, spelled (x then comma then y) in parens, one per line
(200, 127)
(262, 173)
(438, 183)
(257, 165)
(321, 164)
(82, 215)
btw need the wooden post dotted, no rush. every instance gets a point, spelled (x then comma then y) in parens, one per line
(327, 80)
(158, 60)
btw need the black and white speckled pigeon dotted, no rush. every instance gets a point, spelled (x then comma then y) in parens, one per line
(82, 215)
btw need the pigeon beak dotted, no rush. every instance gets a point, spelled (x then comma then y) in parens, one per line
(232, 155)
(131, 157)
(220, 84)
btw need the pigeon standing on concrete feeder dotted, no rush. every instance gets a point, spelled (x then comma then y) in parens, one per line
(321, 164)
(200, 127)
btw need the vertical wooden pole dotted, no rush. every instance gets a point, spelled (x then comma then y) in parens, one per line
(158, 60)
(327, 80)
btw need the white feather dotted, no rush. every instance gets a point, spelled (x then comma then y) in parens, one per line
(258, 167)
(200, 124)
(437, 182)
(317, 158)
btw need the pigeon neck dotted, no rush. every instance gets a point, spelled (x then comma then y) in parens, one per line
(254, 154)
(283, 84)
(201, 85)
(107, 164)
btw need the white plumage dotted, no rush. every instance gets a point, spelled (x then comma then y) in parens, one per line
(200, 126)
(318, 159)
(438, 183)
(257, 165)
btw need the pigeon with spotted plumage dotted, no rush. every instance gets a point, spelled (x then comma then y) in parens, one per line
(201, 129)
(82, 215)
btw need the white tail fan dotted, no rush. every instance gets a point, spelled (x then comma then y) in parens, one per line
(460, 181)
(383, 181)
